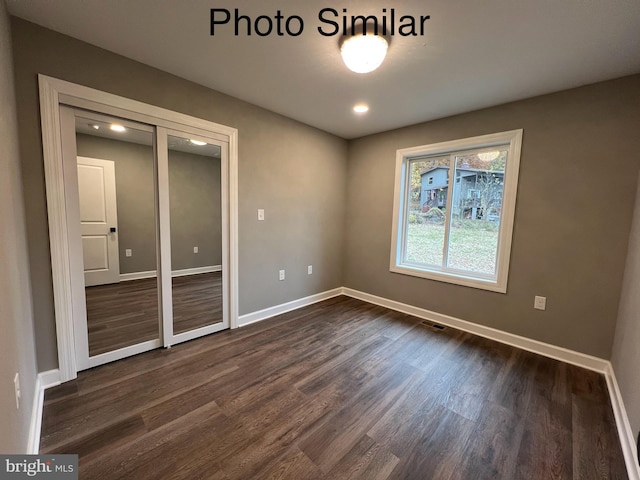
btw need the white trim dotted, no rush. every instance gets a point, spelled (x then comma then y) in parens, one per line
(53, 93)
(44, 380)
(259, 315)
(50, 378)
(600, 365)
(123, 352)
(627, 440)
(495, 283)
(125, 277)
(58, 233)
(552, 351)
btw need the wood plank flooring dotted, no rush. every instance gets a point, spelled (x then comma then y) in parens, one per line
(338, 390)
(126, 313)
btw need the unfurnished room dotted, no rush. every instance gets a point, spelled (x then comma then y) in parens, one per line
(313, 240)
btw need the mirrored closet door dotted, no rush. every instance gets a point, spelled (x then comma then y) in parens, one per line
(196, 225)
(149, 237)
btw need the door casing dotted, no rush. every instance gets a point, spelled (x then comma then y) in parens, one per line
(67, 287)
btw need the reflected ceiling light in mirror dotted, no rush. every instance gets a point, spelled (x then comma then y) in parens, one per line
(94, 126)
(488, 156)
(117, 128)
(363, 51)
(197, 142)
(361, 108)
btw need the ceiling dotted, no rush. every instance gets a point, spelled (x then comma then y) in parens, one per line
(98, 125)
(472, 54)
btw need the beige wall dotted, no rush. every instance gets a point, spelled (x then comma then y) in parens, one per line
(17, 351)
(295, 172)
(578, 174)
(626, 346)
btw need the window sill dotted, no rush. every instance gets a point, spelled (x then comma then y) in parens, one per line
(456, 279)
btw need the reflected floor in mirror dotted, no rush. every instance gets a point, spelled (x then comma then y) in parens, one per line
(126, 313)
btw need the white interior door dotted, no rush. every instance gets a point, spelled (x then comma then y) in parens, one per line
(99, 221)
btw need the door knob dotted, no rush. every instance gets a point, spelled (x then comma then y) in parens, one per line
(112, 229)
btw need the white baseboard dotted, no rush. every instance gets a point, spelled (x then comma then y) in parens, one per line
(124, 277)
(260, 315)
(44, 380)
(627, 440)
(600, 365)
(535, 346)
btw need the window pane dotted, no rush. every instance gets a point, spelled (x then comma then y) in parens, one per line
(476, 210)
(426, 210)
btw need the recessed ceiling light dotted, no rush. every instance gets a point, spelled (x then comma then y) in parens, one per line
(197, 142)
(117, 128)
(361, 108)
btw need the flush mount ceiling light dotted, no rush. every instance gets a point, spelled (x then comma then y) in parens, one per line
(197, 142)
(488, 156)
(361, 108)
(94, 126)
(117, 128)
(362, 50)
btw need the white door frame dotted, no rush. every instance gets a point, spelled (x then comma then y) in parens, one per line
(55, 92)
(166, 270)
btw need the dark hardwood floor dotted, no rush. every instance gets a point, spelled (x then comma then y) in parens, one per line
(338, 390)
(126, 313)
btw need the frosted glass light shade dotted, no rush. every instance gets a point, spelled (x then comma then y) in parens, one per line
(488, 156)
(364, 53)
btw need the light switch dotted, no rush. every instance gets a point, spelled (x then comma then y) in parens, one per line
(540, 303)
(128, 252)
(260, 214)
(195, 249)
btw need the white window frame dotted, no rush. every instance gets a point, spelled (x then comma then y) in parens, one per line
(512, 140)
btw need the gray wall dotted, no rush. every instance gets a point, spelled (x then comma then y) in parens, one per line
(17, 350)
(571, 224)
(194, 195)
(571, 230)
(134, 197)
(195, 210)
(295, 172)
(626, 351)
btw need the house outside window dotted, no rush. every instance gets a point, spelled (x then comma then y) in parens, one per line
(460, 233)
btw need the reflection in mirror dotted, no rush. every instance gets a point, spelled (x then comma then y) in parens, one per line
(117, 209)
(196, 233)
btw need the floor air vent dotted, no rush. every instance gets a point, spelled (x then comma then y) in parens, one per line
(434, 326)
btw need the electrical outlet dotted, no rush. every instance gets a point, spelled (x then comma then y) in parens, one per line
(260, 214)
(128, 252)
(16, 384)
(195, 249)
(281, 275)
(309, 269)
(540, 303)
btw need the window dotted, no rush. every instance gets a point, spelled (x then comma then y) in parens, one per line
(463, 233)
